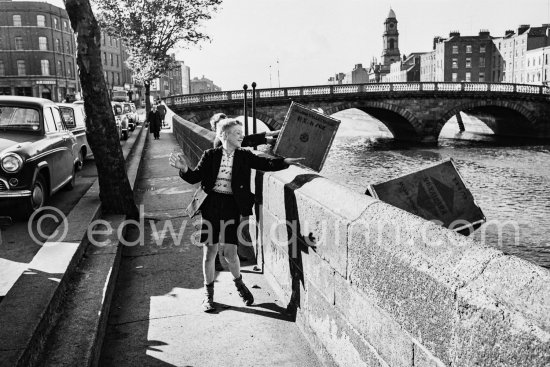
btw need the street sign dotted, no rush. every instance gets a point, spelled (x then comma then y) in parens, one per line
(306, 133)
(435, 193)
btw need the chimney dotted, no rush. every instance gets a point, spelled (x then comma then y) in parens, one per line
(437, 39)
(454, 34)
(522, 28)
(484, 33)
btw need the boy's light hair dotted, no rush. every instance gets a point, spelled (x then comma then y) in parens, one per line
(217, 117)
(224, 125)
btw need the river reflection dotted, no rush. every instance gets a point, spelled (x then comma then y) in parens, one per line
(510, 182)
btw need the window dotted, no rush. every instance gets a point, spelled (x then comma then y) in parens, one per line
(481, 62)
(68, 116)
(58, 45)
(482, 77)
(468, 62)
(116, 60)
(105, 58)
(67, 47)
(482, 48)
(21, 70)
(17, 20)
(455, 64)
(18, 43)
(468, 77)
(40, 21)
(42, 43)
(59, 67)
(455, 49)
(2, 71)
(117, 78)
(65, 25)
(111, 58)
(70, 69)
(45, 67)
(455, 77)
(49, 123)
(55, 23)
(58, 120)
(468, 49)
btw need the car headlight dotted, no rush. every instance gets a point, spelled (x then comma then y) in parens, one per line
(12, 163)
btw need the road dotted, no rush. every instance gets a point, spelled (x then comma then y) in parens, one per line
(17, 246)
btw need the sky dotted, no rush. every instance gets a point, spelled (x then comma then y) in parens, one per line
(304, 42)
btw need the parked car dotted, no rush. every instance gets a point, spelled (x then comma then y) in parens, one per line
(75, 119)
(127, 110)
(38, 154)
(118, 120)
(118, 110)
(135, 116)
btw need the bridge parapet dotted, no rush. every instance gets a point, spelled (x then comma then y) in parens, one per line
(343, 89)
(372, 285)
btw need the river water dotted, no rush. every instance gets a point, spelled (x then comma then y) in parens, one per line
(510, 181)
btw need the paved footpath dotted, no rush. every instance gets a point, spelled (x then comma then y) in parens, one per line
(156, 317)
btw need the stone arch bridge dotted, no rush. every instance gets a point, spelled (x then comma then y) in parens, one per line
(411, 111)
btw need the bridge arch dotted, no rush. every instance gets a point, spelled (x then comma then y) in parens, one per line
(402, 123)
(502, 117)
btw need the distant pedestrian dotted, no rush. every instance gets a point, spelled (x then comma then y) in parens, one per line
(155, 122)
(228, 197)
(162, 111)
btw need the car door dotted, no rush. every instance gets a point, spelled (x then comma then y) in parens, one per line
(60, 158)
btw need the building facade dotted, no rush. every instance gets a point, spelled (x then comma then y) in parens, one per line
(517, 55)
(37, 51)
(203, 85)
(459, 59)
(407, 70)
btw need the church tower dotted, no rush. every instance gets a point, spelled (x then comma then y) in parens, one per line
(390, 38)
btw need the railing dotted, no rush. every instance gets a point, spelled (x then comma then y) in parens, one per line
(342, 89)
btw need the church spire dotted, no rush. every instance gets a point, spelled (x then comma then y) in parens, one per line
(390, 39)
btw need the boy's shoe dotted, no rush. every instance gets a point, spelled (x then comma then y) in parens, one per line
(243, 291)
(208, 301)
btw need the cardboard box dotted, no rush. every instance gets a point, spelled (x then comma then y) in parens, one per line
(306, 133)
(437, 193)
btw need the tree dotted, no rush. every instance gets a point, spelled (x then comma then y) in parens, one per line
(115, 191)
(151, 28)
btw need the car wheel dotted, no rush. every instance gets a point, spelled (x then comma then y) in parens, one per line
(80, 163)
(124, 135)
(39, 195)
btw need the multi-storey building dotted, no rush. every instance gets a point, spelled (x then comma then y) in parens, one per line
(37, 51)
(38, 54)
(407, 70)
(203, 85)
(459, 58)
(515, 54)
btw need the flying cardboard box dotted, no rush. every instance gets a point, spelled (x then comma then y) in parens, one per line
(437, 193)
(306, 133)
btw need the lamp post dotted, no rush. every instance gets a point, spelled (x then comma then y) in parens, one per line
(278, 74)
(254, 108)
(245, 87)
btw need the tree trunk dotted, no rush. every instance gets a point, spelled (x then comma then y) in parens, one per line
(147, 85)
(115, 191)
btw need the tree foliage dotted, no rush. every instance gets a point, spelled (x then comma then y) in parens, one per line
(151, 28)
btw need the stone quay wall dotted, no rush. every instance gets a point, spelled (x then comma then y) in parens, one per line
(371, 285)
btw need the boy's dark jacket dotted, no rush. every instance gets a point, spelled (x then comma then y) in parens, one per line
(244, 160)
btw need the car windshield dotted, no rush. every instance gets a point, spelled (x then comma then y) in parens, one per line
(19, 118)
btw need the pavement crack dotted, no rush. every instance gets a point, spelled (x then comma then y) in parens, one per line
(147, 319)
